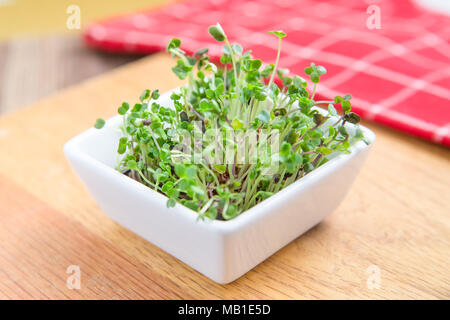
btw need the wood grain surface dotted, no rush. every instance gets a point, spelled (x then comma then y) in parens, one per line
(33, 68)
(396, 217)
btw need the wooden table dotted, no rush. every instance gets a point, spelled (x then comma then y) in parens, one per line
(395, 219)
(32, 68)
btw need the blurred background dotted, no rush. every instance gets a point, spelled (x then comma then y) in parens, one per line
(394, 56)
(35, 42)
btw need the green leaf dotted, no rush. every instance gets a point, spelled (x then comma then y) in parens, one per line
(132, 164)
(99, 123)
(256, 64)
(321, 70)
(199, 192)
(282, 72)
(315, 72)
(207, 106)
(155, 94)
(346, 106)
(201, 52)
(123, 108)
(299, 82)
(343, 131)
(236, 184)
(144, 95)
(237, 48)
(180, 170)
(285, 149)
(292, 136)
(136, 108)
(191, 204)
(347, 97)
(287, 81)
(324, 150)
(167, 186)
(264, 194)
(220, 168)
(181, 69)
(122, 145)
(280, 34)
(315, 77)
(352, 117)
(217, 32)
(174, 96)
(237, 124)
(319, 119)
(191, 172)
(211, 67)
(230, 213)
(210, 94)
(331, 131)
(220, 89)
(122, 148)
(359, 133)
(171, 202)
(267, 71)
(173, 44)
(332, 110)
(263, 116)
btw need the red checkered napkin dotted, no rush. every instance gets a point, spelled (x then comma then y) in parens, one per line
(399, 75)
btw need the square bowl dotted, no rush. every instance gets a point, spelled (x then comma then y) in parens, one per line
(221, 250)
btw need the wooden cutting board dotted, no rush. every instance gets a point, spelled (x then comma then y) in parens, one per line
(390, 238)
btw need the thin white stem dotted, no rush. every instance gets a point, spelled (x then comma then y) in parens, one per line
(206, 206)
(234, 65)
(314, 91)
(276, 63)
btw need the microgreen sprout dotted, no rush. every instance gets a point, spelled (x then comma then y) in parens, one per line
(185, 151)
(280, 35)
(99, 123)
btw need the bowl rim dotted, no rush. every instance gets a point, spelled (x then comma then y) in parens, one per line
(72, 150)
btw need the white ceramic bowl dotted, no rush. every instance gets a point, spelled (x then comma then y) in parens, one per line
(221, 250)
